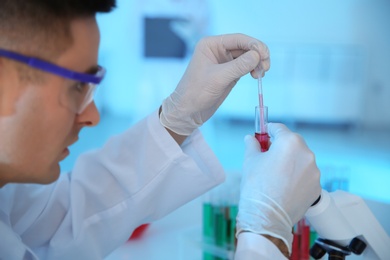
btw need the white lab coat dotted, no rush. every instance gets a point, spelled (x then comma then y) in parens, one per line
(137, 177)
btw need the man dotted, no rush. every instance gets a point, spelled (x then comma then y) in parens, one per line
(48, 72)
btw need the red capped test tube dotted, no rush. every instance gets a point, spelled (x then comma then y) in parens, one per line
(261, 127)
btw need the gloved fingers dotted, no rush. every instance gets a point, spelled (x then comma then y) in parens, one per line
(252, 146)
(237, 41)
(276, 130)
(263, 51)
(241, 66)
(240, 41)
(259, 71)
(234, 42)
(256, 73)
(263, 65)
(288, 140)
(237, 53)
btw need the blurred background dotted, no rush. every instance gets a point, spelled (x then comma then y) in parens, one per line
(329, 78)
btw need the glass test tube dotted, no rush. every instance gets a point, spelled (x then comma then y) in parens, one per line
(208, 226)
(220, 209)
(231, 236)
(261, 127)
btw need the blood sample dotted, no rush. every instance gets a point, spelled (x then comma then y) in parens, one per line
(261, 129)
(263, 139)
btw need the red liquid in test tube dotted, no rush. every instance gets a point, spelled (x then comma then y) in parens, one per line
(261, 118)
(305, 240)
(261, 131)
(263, 139)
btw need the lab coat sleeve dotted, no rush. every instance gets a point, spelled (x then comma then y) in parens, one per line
(256, 247)
(137, 177)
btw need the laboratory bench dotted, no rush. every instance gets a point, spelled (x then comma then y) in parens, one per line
(178, 235)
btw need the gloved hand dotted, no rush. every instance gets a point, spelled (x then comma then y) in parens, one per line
(277, 186)
(217, 64)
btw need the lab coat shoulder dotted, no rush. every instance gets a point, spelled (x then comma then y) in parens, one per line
(137, 177)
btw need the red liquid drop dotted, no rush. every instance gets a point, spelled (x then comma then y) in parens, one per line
(138, 232)
(263, 139)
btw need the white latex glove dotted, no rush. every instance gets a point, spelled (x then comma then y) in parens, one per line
(278, 186)
(216, 66)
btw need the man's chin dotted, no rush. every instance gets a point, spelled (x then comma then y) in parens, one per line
(32, 176)
(52, 175)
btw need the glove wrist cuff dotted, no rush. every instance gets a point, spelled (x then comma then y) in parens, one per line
(174, 120)
(264, 217)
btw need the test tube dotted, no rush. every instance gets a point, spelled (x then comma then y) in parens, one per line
(295, 245)
(220, 225)
(261, 127)
(208, 224)
(305, 240)
(220, 207)
(232, 241)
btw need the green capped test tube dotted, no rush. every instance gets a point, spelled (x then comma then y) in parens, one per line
(219, 222)
(208, 228)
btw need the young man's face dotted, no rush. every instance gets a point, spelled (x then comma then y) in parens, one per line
(36, 125)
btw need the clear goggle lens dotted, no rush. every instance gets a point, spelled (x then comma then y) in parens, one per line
(79, 95)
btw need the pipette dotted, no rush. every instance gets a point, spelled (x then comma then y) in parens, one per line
(261, 116)
(261, 103)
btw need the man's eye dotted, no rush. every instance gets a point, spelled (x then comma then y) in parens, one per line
(80, 87)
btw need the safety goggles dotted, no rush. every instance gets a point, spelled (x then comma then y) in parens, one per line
(80, 95)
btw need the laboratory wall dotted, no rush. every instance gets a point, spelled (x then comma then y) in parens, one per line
(329, 59)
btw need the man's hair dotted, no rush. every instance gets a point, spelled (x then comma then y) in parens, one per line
(42, 27)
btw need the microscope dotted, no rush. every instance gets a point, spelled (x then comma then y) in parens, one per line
(345, 225)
